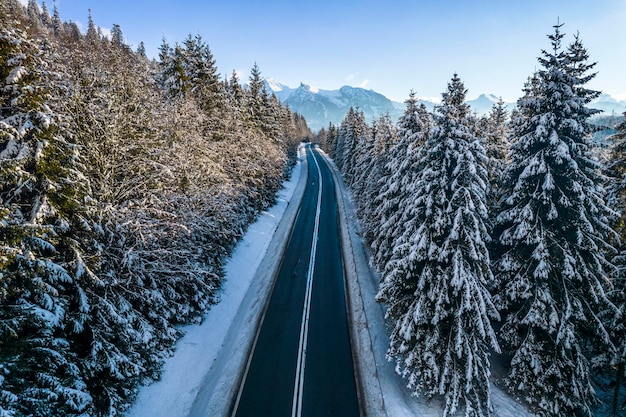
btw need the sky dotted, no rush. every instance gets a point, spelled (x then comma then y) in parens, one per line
(390, 46)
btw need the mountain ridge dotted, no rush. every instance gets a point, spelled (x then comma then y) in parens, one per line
(321, 107)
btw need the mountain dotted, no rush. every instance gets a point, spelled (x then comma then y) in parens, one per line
(321, 107)
(484, 103)
(609, 105)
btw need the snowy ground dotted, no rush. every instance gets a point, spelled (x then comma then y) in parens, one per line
(385, 392)
(201, 377)
(204, 355)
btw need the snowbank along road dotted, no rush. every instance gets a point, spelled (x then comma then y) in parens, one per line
(301, 362)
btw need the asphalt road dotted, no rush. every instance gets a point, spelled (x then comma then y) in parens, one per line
(301, 363)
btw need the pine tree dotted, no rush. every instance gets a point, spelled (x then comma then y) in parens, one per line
(400, 171)
(494, 129)
(435, 283)
(34, 15)
(384, 136)
(352, 133)
(46, 19)
(117, 37)
(42, 213)
(551, 233)
(202, 74)
(141, 50)
(92, 33)
(616, 170)
(256, 97)
(57, 24)
(172, 75)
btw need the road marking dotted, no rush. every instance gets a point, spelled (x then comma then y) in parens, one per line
(296, 408)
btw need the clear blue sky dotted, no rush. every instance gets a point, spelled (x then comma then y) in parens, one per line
(390, 46)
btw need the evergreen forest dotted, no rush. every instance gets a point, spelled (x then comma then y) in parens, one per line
(124, 184)
(499, 241)
(126, 181)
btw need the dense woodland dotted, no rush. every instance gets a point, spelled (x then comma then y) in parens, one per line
(124, 183)
(499, 239)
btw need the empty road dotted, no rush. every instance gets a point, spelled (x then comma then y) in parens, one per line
(301, 364)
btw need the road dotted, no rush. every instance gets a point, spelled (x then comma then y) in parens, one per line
(301, 364)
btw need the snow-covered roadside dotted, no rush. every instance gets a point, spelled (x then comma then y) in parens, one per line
(209, 356)
(383, 391)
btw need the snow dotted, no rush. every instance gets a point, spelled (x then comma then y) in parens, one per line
(198, 352)
(198, 380)
(385, 391)
(274, 85)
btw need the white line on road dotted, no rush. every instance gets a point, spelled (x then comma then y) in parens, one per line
(296, 409)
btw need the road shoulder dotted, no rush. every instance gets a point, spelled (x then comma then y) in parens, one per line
(220, 387)
(363, 311)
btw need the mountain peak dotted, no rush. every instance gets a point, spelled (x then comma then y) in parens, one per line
(274, 85)
(308, 87)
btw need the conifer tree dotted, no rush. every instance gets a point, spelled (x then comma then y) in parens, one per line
(141, 50)
(42, 193)
(201, 72)
(92, 33)
(435, 283)
(384, 136)
(616, 170)
(494, 129)
(46, 19)
(117, 37)
(551, 233)
(57, 24)
(34, 15)
(352, 133)
(413, 130)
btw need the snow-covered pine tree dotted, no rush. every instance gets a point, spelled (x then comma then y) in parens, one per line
(616, 170)
(435, 283)
(385, 135)
(363, 161)
(34, 15)
(92, 35)
(117, 37)
(255, 96)
(57, 24)
(551, 237)
(413, 130)
(495, 131)
(42, 206)
(353, 131)
(201, 71)
(46, 19)
(331, 140)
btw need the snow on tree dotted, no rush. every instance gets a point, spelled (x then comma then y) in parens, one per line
(57, 24)
(352, 133)
(119, 202)
(494, 130)
(92, 32)
(172, 75)
(435, 282)
(616, 170)
(398, 173)
(42, 213)
(373, 169)
(551, 237)
(202, 74)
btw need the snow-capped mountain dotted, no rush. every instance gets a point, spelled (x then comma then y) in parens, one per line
(321, 107)
(609, 105)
